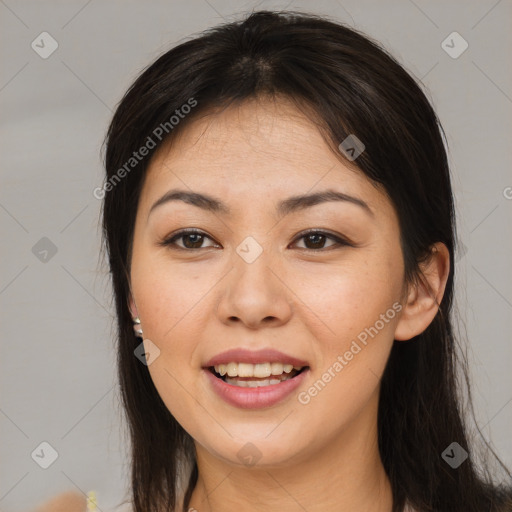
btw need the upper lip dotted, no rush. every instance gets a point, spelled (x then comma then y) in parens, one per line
(241, 355)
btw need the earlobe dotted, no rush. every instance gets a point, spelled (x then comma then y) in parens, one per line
(425, 295)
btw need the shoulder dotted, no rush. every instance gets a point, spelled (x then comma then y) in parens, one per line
(64, 502)
(72, 501)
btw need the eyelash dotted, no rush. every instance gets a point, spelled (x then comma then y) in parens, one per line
(170, 241)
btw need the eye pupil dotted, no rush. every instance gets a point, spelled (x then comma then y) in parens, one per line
(196, 244)
(317, 239)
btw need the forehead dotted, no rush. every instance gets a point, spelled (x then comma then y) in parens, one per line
(268, 148)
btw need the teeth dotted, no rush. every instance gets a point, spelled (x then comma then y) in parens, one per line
(260, 370)
(277, 368)
(232, 369)
(245, 370)
(256, 383)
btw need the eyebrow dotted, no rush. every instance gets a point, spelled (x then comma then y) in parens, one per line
(285, 207)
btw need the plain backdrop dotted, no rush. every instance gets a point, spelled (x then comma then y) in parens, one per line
(58, 377)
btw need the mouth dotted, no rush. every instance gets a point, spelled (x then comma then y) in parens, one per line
(248, 375)
(255, 379)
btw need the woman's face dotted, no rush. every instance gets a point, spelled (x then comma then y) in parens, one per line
(252, 281)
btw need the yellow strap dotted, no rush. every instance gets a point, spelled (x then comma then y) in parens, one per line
(91, 501)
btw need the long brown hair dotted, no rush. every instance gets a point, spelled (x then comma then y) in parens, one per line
(349, 85)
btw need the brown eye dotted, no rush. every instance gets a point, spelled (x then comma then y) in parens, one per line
(195, 240)
(315, 240)
(191, 239)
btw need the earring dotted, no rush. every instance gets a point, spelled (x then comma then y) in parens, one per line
(137, 328)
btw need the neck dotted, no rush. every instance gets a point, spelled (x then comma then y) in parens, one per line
(345, 475)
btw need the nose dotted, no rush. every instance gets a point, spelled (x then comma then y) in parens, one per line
(255, 294)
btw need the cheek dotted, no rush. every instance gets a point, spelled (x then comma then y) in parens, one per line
(171, 312)
(351, 296)
(358, 308)
(169, 296)
(352, 352)
(171, 304)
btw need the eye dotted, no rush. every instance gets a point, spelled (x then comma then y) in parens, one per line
(314, 240)
(192, 239)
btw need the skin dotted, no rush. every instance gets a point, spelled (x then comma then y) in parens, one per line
(311, 305)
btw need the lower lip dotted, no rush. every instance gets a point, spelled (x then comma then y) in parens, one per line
(254, 398)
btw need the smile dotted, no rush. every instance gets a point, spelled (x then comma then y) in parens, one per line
(247, 375)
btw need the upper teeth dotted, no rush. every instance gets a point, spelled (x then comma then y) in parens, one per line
(254, 370)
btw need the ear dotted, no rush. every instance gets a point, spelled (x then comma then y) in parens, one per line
(424, 297)
(132, 307)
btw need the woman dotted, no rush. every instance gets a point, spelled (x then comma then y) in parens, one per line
(279, 223)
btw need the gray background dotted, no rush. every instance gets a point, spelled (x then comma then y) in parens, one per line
(58, 380)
